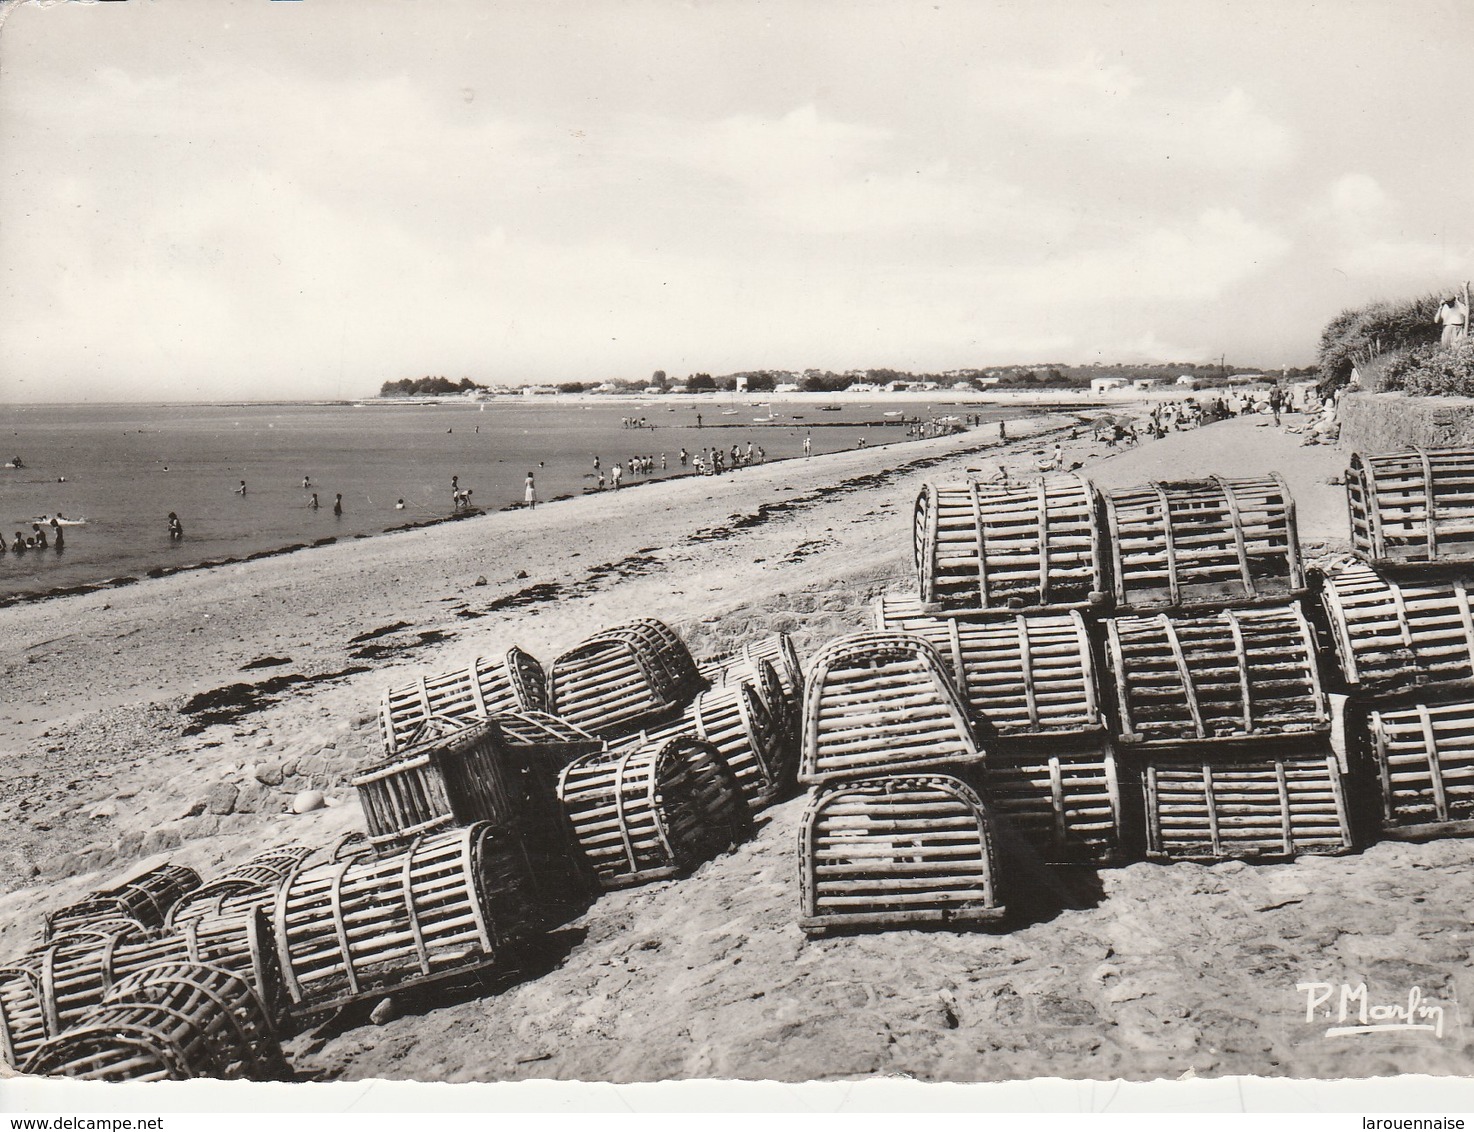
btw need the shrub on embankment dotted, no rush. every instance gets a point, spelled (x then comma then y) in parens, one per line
(1359, 337)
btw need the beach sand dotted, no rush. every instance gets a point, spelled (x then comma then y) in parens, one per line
(175, 718)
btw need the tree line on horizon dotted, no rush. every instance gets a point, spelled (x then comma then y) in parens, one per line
(1040, 376)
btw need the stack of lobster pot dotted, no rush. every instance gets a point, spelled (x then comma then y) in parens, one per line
(893, 835)
(1403, 632)
(1219, 706)
(1008, 575)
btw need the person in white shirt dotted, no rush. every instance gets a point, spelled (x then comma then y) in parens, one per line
(1454, 316)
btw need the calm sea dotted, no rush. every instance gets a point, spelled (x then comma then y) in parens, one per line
(125, 467)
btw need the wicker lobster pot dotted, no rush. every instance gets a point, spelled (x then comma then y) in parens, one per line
(734, 719)
(771, 665)
(1425, 759)
(1211, 542)
(1274, 803)
(146, 898)
(22, 1014)
(652, 809)
(245, 887)
(1020, 673)
(622, 679)
(169, 1022)
(998, 546)
(1234, 675)
(1062, 796)
(897, 851)
(1393, 638)
(454, 903)
(450, 775)
(1412, 507)
(72, 974)
(881, 703)
(483, 688)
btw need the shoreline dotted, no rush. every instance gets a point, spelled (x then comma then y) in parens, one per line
(31, 596)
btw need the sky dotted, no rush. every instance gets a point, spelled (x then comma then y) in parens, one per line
(222, 199)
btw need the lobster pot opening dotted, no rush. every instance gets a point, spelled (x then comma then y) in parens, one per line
(483, 688)
(1063, 796)
(72, 974)
(1203, 806)
(1020, 674)
(1393, 638)
(734, 719)
(451, 775)
(623, 679)
(146, 898)
(1412, 507)
(250, 885)
(453, 903)
(1425, 758)
(169, 1022)
(999, 546)
(1241, 673)
(897, 851)
(653, 809)
(881, 703)
(1214, 541)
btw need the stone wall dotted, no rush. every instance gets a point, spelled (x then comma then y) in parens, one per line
(1388, 422)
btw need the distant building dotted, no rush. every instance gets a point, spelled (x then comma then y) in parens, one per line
(1144, 383)
(963, 385)
(862, 387)
(786, 387)
(1106, 384)
(1246, 377)
(1187, 380)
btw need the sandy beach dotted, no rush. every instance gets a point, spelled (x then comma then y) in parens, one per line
(174, 718)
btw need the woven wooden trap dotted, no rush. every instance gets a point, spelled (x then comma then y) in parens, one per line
(623, 679)
(243, 888)
(1204, 806)
(145, 898)
(897, 851)
(653, 808)
(765, 663)
(758, 748)
(452, 904)
(169, 1022)
(1425, 760)
(482, 688)
(73, 973)
(1062, 795)
(1210, 542)
(1021, 674)
(451, 774)
(1394, 638)
(1001, 546)
(1235, 675)
(1412, 507)
(882, 703)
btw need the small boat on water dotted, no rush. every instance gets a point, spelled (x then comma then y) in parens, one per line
(830, 408)
(729, 412)
(893, 414)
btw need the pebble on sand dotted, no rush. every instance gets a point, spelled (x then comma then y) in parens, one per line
(307, 801)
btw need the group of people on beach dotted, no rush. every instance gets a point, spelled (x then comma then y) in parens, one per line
(37, 539)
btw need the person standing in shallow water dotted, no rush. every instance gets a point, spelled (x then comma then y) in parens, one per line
(313, 502)
(176, 528)
(529, 491)
(338, 506)
(39, 535)
(56, 536)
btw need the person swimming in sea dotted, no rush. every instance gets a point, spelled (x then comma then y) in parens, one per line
(399, 506)
(241, 491)
(176, 528)
(306, 482)
(19, 545)
(313, 502)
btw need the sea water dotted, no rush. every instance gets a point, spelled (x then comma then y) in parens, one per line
(125, 467)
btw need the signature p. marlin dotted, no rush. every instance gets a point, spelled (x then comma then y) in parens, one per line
(1352, 1006)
